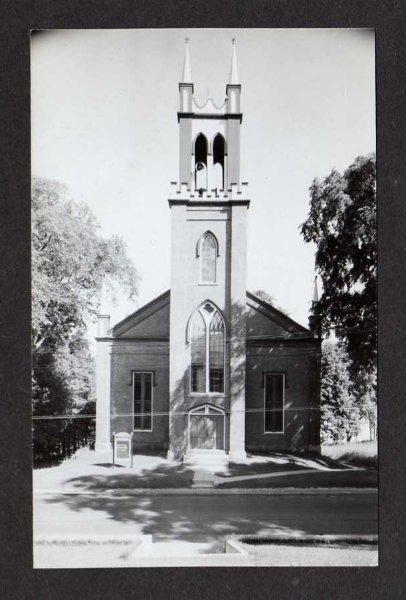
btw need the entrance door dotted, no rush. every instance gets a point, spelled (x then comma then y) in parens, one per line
(206, 428)
(202, 432)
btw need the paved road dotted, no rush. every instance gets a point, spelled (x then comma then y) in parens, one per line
(203, 519)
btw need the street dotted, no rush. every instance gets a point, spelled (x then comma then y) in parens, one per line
(203, 519)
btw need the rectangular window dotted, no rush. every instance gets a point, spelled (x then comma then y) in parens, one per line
(274, 402)
(142, 390)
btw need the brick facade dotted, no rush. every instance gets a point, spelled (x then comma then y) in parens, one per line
(209, 200)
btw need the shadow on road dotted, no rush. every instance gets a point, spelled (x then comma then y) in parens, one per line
(209, 518)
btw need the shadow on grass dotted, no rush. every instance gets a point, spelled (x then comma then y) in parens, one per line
(161, 476)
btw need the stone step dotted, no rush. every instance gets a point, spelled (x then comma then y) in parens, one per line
(211, 460)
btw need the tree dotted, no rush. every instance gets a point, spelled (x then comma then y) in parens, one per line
(364, 389)
(342, 224)
(339, 411)
(70, 260)
(266, 297)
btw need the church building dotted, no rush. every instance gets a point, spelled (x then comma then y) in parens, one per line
(207, 366)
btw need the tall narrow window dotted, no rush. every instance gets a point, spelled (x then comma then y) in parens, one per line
(198, 353)
(201, 163)
(218, 160)
(208, 257)
(142, 390)
(216, 354)
(201, 149)
(207, 337)
(274, 402)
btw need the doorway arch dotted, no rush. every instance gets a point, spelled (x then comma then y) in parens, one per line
(206, 428)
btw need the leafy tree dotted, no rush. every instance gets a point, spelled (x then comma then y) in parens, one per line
(339, 410)
(364, 388)
(70, 260)
(342, 224)
(266, 297)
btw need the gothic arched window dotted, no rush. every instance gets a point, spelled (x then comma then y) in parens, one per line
(207, 336)
(201, 149)
(207, 252)
(219, 149)
(201, 163)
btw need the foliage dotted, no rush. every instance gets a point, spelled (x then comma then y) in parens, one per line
(70, 262)
(342, 224)
(266, 297)
(364, 388)
(340, 413)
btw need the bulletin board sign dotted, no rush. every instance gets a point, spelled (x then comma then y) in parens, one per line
(123, 449)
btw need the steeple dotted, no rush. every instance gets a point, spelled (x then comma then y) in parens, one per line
(187, 76)
(233, 77)
(315, 291)
(233, 88)
(186, 85)
(314, 321)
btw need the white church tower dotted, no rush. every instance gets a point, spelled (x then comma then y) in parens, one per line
(208, 275)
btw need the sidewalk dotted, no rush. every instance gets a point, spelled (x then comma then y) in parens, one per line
(88, 472)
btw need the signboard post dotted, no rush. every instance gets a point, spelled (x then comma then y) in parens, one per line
(123, 449)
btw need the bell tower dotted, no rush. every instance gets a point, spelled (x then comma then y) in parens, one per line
(208, 205)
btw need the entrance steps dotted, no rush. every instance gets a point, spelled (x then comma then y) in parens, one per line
(214, 461)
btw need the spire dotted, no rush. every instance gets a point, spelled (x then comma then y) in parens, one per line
(315, 291)
(233, 78)
(186, 77)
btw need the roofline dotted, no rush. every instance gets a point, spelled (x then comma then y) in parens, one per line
(139, 311)
(279, 312)
(167, 293)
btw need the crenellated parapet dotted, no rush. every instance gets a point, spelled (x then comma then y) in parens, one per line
(183, 192)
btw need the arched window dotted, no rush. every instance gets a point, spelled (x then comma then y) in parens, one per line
(201, 163)
(207, 335)
(201, 149)
(219, 148)
(208, 258)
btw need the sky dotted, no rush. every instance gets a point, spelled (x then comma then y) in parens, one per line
(104, 122)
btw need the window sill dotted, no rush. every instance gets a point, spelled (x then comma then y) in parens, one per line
(200, 394)
(201, 284)
(143, 430)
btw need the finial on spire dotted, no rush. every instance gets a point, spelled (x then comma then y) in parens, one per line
(186, 77)
(315, 291)
(233, 79)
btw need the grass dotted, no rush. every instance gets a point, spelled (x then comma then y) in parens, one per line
(360, 454)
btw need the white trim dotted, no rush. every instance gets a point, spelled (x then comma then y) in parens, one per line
(283, 402)
(152, 400)
(206, 407)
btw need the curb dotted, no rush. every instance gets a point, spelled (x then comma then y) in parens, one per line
(212, 491)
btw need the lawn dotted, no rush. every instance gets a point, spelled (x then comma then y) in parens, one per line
(87, 471)
(360, 454)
